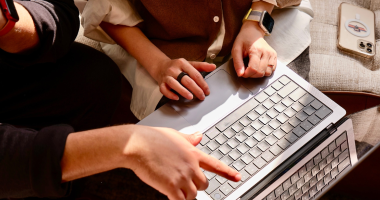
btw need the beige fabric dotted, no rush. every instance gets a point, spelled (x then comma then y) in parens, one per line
(367, 125)
(333, 69)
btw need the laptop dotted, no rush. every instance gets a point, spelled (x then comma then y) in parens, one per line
(255, 126)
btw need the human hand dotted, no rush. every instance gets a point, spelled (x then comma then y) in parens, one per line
(262, 57)
(168, 71)
(168, 161)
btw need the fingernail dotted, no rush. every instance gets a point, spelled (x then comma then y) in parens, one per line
(189, 96)
(198, 135)
(238, 177)
(203, 96)
(207, 91)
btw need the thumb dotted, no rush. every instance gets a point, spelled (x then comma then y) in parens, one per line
(237, 57)
(203, 66)
(194, 138)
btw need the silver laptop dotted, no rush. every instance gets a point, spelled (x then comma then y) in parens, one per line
(252, 125)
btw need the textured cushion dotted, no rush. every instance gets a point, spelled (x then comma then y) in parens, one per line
(333, 69)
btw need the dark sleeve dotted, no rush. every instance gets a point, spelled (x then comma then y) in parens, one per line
(57, 25)
(30, 161)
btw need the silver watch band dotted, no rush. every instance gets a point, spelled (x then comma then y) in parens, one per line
(254, 15)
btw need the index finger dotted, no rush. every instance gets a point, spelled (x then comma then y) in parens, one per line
(216, 166)
(237, 55)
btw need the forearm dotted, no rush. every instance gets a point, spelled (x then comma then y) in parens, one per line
(133, 40)
(23, 36)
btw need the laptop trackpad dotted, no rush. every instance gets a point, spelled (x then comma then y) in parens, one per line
(226, 94)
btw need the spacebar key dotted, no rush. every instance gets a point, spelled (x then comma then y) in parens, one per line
(237, 114)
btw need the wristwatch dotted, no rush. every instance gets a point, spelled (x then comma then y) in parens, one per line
(10, 13)
(266, 22)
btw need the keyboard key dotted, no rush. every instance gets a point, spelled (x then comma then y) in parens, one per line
(317, 159)
(271, 196)
(244, 176)
(217, 195)
(334, 173)
(264, 119)
(241, 137)
(234, 184)
(297, 106)
(263, 146)
(302, 116)
(324, 152)
(332, 146)
(298, 194)
(268, 104)
(305, 187)
(299, 131)
(271, 140)
(279, 107)
(284, 80)
(287, 102)
(249, 130)
(226, 189)
(253, 115)
(323, 112)
(320, 184)
(344, 164)
(212, 133)
(290, 112)
(225, 149)
(294, 178)
(236, 115)
(322, 164)
(259, 162)
(313, 190)
(277, 85)
(226, 160)
(279, 133)
(316, 104)
(287, 89)
(341, 139)
(205, 150)
(287, 127)
(306, 125)
(283, 143)
(267, 130)
(242, 148)
(234, 154)
(285, 195)
(220, 179)
(335, 162)
(270, 91)
(267, 156)
(300, 183)
(293, 189)
(330, 157)
(309, 110)
(212, 185)
(286, 185)
(221, 139)
(237, 127)
(275, 98)
(251, 168)
(344, 145)
(260, 109)
(282, 118)
(216, 154)
(261, 97)
(251, 142)
(306, 99)
(245, 121)
(257, 125)
(209, 175)
(259, 136)
(337, 151)
(313, 181)
(255, 152)
(291, 137)
(302, 171)
(310, 165)
(212, 145)
(246, 158)
(278, 191)
(204, 140)
(275, 150)
(274, 124)
(320, 175)
(313, 119)
(232, 143)
(238, 165)
(229, 133)
(298, 93)
(272, 113)
(328, 177)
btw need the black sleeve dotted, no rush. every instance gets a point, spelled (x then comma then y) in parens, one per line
(30, 161)
(57, 25)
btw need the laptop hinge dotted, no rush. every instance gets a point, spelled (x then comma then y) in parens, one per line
(331, 128)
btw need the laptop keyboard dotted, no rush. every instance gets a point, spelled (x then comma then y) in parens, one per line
(260, 130)
(318, 172)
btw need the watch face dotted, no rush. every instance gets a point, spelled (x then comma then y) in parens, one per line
(12, 10)
(268, 22)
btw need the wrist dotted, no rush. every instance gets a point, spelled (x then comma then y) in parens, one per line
(158, 67)
(253, 27)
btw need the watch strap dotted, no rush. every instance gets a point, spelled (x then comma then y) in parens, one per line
(7, 27)
(253, 15)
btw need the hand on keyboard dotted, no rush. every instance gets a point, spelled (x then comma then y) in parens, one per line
(168, 161)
